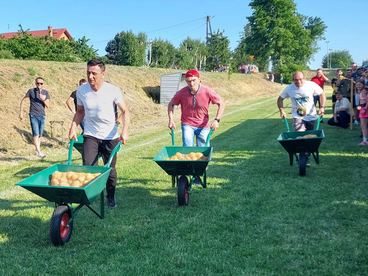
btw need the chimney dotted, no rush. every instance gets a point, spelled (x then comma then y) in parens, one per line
(49, 29)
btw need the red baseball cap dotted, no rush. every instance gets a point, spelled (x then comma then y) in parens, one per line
(192, 73)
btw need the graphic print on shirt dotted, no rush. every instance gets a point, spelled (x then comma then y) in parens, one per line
(301, 102)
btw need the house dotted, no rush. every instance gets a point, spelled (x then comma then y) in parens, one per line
(55, 33)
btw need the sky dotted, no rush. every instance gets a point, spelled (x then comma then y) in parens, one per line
(100, 21)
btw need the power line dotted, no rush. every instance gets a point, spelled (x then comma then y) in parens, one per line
(179, 24)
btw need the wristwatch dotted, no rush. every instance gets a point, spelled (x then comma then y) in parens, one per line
(217, 119)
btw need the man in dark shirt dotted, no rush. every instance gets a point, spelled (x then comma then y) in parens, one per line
(39, 99)
(71, 102)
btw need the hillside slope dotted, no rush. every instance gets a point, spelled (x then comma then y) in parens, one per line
(137, 83)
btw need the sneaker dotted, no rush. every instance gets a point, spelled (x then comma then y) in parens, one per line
(356, 123)
(40, 154)
(363, 143)
(111, 202)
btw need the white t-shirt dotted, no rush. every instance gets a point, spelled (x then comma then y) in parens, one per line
(99, 113)
(302, 104)
(344, 104)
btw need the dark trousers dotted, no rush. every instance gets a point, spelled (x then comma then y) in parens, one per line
(343, 120)
(316, 100)
(92, 149)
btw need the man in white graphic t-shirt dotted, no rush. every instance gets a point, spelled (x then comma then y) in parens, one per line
(301, 94)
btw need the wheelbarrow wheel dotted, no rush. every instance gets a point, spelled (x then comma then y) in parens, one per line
(303, 159)
(183, 190)
(61, 225)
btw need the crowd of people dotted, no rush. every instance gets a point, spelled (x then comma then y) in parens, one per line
(349, 99)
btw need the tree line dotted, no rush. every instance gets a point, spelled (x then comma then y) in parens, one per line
(274, 34)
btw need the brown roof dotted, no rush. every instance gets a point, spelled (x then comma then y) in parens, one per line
(56, 33)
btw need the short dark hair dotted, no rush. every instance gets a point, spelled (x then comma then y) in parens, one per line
(39, 78)
(81, 81)
(96, 62)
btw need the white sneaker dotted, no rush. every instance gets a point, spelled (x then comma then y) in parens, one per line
(41, 154)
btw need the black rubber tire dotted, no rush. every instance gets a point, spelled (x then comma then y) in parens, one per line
(183, 191)
(61, 225)
(303, 159)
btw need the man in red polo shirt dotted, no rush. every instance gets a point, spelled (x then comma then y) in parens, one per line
(194, 101)
(319, 79)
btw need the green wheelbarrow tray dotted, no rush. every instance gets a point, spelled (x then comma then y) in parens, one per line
(299, 146)
(293, 143)
(39, 184)
(183, 167)
(69, 200)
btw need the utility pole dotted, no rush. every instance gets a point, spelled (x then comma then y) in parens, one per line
(208, 29)
(149, 53)
(328, 55)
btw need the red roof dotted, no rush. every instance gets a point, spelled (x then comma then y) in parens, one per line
(56, 33)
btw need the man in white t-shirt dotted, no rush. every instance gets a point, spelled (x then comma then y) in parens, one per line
(301, 94)
(95, 107)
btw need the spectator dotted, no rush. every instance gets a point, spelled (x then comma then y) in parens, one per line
(319, 79)
(363, 111)
(71, 102)
(95, 101)
(341, 112)
(39, 99)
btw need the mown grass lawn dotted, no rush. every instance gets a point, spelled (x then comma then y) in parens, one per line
(257, 216)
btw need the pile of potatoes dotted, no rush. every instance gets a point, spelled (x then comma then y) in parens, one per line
(308, 136)
(72, 179)
(194, 156)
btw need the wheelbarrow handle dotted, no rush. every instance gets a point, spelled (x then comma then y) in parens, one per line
(113, 153)
(172, 133)
(319, 119)
(286, 124)
(70, 151)
(209, 137)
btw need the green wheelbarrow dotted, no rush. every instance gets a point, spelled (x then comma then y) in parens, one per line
(184, 172)
(69, 200)
(302, 144)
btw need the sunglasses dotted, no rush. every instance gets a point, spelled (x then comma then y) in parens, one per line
(40, 83)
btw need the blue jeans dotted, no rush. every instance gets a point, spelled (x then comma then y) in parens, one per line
(189, 132)
(37, 125)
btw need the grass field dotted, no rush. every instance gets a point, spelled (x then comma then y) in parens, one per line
(257, 216)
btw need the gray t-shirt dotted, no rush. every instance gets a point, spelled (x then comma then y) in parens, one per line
(37, 107)
(99, 112)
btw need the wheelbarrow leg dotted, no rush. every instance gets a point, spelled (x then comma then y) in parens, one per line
(316, 156)
(102, 204)
(291, 158)
(205, 180)
(173, 179)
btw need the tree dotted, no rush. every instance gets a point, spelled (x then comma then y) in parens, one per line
(337, 59)
(83, 50)
(25, 46)
(218, 51)
(163, 53)
(276, 30)
(191, 54)
(127, 49)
